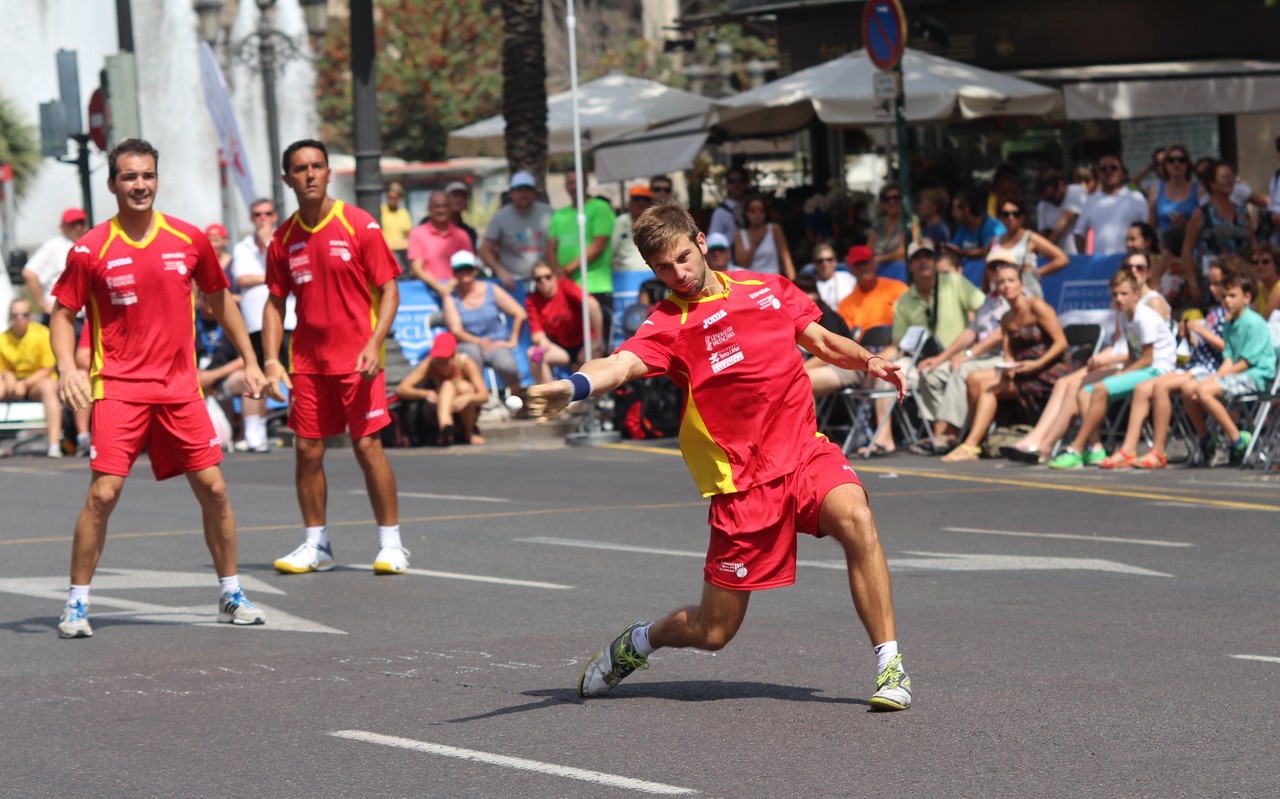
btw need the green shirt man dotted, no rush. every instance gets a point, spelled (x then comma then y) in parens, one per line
(562, 240)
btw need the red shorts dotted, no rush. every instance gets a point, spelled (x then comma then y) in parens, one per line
(178, 437)
(328, 405)
(753, 532)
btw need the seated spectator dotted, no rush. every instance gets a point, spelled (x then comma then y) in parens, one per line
(950, 261)
(27, 370)
(1152, 398)
(1265, 259)
(941, 304)
(449, 383)
(718, 252)
(944, 378)
(1109, 211)
(934, 205)
(1059, 208)
(1033, 347)
(1220, 226)
(1171, 199)
(1152, 351)
(833, 286)
(1141, 265)
(1248, 366)
(975, 228)
(887, 238)
(473, 313)
(870, 303)
(626, 258)
(555, 323)
(1023, 247)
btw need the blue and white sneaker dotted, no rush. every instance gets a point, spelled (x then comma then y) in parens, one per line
(75, 621)
(235, 608)
(308, 557)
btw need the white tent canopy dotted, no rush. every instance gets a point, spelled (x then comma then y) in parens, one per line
(841, 92)
(612, 106)
(669, 148)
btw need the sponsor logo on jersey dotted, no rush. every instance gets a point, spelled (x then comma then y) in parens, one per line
(719, 338)
(374, 414)
(181, 255)
(124, 298)
(295, 247)
(736, 568)
(760, 292)
(215, 442)
(725, 358)
(372, 226)
(81, 248)
(713, 318)
(119, 281)
(114, 262)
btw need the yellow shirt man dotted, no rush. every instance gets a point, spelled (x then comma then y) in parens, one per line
(396, 225)
(24, 356)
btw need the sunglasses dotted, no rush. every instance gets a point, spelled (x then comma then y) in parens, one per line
(891, 198)
(257, 214)
(1010, 214)
(832, 261)
(1176, 159)
(543, 278)
(1260, 261)
(660, 189)
(19, 315)
(1109, 168)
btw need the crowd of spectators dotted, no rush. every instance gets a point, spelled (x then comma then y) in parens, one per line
(989, 354)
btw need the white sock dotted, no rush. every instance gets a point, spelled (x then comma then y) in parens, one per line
(318, 536)
(255, 430)
(83, 439)
(390, 536)
(884, 653)
(640, 640)
(229, 585)
(78, 592)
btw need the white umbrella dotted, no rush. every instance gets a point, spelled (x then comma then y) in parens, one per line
(612, 106)
(841, 92)
(668, 148)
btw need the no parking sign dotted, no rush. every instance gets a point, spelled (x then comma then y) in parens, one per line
(884, 32)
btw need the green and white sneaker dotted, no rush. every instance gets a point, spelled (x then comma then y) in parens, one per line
(612, 664)
(893, 687)
(1094, 456)
(1067, 459)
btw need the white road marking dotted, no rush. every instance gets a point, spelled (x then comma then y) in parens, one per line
(931, 561)
(206, 614)
(597, 777)
(478, 578)
(1263, 658)
(1152, 542)
(454, 497)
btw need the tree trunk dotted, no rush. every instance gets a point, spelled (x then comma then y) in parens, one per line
(524, 87)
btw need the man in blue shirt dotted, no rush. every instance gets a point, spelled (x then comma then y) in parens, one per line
(975, 228)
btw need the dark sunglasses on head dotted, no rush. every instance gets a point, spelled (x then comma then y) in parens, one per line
(1176, 159)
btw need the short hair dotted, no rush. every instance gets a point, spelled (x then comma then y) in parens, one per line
(1145, 256)
(948, 256)
(130, 147)
(1149, 236)
(302, 144)
(662, 178)
(1230, 265)
(397, 187)
(17, 300)
(1049, 176)
(1125, 275)
(806, 283)
(661, 227)
(262, 201)
(937, 196)
(971, 202)
(1268, 248)
(1084, 172)
(1182, 148)
(888, 187)
(822, 245)
(1016, 201)
(1232, 278)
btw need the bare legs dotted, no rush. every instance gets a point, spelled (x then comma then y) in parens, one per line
(313, 490)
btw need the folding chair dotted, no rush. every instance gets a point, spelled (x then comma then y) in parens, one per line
(859, 402)
(1083, 342)
(873, 340)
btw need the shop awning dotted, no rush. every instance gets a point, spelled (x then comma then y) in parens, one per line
(1174, 88)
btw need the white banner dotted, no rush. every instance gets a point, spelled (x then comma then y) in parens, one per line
(218, 99)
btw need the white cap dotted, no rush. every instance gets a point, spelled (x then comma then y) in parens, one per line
(462, 259)
(523, 180)
(457, 185)
(717, 241)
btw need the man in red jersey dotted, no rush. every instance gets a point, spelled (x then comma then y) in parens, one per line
(134, 276)
(749, 436)
(334, 260)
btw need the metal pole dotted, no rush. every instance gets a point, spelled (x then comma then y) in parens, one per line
(124, 25)
(589, 432)
(267, 61)
(904, 163)
(366, 137)
(82, 163)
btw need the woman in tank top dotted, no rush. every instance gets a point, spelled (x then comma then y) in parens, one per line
(1172, 200)
(760, 245)
(1218, 227)
(1022, 246)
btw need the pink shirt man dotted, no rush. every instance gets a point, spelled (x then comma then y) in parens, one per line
(435, 248)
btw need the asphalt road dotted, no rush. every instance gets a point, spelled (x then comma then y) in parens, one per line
(1068, 635)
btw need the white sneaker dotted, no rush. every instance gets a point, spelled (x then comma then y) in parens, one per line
(308, 557)
(75, 621)
(54, 451)
(235, 608)
(391, 560)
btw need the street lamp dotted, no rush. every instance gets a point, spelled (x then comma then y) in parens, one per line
(265, 51)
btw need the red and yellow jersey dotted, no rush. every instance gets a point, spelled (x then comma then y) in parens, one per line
(334, 269)
(141, 307)
(748, 409)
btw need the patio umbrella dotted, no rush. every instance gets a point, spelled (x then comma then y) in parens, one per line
(840, 92)
(609, 107)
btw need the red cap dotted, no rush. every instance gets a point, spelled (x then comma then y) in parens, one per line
(859, 253)
(216, 230)
(73, 215)
(445, 345)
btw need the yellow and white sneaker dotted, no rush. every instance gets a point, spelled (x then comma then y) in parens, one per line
(391, 560)
(308, 557)
(893, 687)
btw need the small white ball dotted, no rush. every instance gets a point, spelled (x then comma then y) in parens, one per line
(514, 403)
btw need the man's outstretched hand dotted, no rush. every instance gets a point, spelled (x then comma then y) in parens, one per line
(547, 399)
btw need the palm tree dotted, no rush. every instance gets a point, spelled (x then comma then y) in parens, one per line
(524, 87)
(19, 146)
